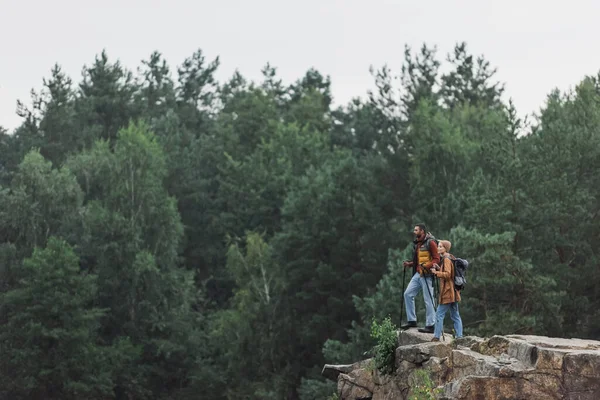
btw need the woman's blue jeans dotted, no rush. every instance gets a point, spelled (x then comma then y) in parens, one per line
(441, 314)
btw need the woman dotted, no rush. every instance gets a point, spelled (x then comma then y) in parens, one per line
(449, 296)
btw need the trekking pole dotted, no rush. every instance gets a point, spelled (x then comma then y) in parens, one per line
(437, 283)
(433, 303)
(403, 281)
(429, 291)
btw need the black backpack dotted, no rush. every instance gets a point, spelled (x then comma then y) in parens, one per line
(460, 273)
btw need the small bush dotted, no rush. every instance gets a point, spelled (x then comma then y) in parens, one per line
(385, 350)
(423, 387)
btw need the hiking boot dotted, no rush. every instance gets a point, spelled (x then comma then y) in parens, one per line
(408, 325)
(435, 339)
(427, 329)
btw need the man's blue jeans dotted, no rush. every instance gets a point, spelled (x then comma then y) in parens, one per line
(417, 284)
(441, 314)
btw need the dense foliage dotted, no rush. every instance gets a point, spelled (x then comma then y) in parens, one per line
(169, 236)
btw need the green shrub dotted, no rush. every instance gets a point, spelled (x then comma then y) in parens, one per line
(385, 335)
(423, 387)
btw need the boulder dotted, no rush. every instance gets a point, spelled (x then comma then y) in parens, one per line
(331, 371)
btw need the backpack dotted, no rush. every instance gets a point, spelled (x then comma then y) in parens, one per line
(460, 272)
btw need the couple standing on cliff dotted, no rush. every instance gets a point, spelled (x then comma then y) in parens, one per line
(431, 259)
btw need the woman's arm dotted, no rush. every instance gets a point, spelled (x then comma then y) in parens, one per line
(446, 271)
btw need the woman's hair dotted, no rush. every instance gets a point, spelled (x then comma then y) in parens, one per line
(447, 244)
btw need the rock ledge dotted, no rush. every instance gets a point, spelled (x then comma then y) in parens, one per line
(509, 367)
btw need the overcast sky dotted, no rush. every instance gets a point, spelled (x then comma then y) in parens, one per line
(536, 45)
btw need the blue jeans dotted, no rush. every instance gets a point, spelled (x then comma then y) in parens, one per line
(441, 314)
(417, 284)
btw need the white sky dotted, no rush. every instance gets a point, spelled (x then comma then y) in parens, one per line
(536, 45)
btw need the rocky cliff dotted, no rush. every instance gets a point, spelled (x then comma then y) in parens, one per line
(501, 367)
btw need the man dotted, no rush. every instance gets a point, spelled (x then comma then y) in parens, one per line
(425, 255)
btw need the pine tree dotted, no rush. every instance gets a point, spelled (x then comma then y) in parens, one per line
(50, 345)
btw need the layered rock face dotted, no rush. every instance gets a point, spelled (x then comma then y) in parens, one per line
(509, 367)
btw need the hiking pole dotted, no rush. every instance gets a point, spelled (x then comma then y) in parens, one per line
(433, 303)
(403, 281)
(437, 284)
(429, 291)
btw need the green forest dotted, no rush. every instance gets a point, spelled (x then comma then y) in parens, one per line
(165, 235)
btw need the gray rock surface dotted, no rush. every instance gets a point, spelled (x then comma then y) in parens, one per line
(509, 367)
